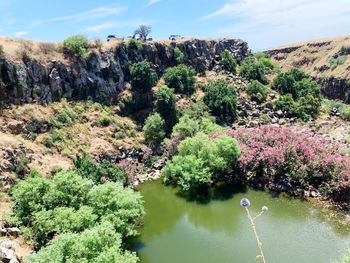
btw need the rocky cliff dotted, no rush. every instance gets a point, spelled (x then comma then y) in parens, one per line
(104, 73)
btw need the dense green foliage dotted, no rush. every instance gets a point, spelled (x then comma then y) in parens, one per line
(229, 62)
(165, 103)
(106, 171)
(301, 95)
(76, 45)
(189, 126)
(181, 78)
(257, 91)
(201, 161)
(143, 77)
(178, 55)
(73, 206)
(100, 244)
(221, 100)
(154, 129)
(253, 70)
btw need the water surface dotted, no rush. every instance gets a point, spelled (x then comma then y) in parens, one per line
(217, 229)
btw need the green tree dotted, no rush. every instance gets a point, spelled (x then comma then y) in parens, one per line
(165, 103)
(287, 104)
(253, 70)
(77, 46)
(143, 31)
(181, 78)
(257, 91)
(229, 62)
(154, 129)
(221, 99)
(143, 77)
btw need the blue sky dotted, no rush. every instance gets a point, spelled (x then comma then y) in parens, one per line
(262, 23)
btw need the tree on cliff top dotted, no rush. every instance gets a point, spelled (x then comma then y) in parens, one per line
(143, 31)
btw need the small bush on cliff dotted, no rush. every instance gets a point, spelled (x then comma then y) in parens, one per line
(134, 48)
(154, 129)
(335, 62)
(181, 78)
(221, 100)
(143, 77)
(229, 62)
(178, 55)
(257, 91)
(253, 70)
(77, 46)
(265, 60)
(165, 103)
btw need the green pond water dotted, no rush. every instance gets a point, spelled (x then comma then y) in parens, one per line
(216, 229)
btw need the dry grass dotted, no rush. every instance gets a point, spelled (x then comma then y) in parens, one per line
(316, 57)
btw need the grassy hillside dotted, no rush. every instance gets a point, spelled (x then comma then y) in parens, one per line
(322, 58)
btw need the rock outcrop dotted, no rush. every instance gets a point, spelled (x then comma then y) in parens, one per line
(104, 74)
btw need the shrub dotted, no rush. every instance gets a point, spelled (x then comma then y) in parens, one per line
(28, 197)
(335, 62)
(165, 103)
(221, 100)
(60, 220)
(105, 120)
(307, 107)
(295, 158)
(287, 104)
(229, 62)
(100, 244)
(286, 82)
(257, 91)
(201, 161)
(104, 172)
(186, 127)
(134, 48)
(299, 88)
(120, 135)
(76, 45)
(188, 172)
(252, 70)
(260, 55)
(181, 78)
(269, 65)
(154, 129)
(178, 55)
(118, 205)
(143, 77)
(189, 126)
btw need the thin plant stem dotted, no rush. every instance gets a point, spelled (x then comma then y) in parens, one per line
(255, 233)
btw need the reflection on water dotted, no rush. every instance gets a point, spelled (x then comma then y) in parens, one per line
(214, 228)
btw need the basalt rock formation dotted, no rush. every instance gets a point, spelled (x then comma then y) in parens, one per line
(104, 73)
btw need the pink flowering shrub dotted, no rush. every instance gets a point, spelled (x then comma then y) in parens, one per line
(294, 158)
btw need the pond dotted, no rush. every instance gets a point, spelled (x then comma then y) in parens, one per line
(216, 228)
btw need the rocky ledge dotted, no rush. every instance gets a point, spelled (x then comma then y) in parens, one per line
(104, 73)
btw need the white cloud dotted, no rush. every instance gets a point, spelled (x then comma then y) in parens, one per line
(20, 33)
(269, 23)
(118, 24)
(152, 2)
(99, 12)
